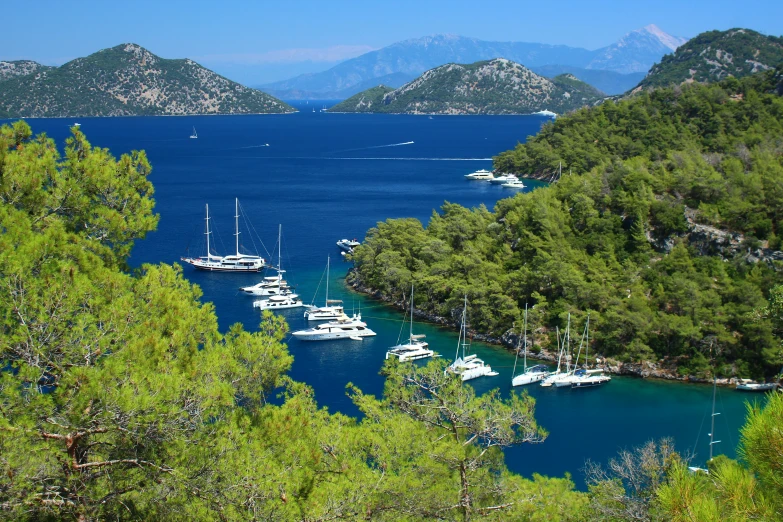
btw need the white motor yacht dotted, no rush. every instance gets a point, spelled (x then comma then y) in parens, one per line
(343, 328)
(277, 286)
(348, 245)
(232, 263)
(415, 348)
(332, 309)
(279, 302)
(503, 178)
(515, 184)
(468, 366)
(480, 175)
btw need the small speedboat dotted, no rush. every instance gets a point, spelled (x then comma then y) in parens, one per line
(480, 175)
(584, 379)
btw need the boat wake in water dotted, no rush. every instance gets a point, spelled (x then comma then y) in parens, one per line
(376, 147)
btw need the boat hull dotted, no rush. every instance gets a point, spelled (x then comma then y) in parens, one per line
(528, 378)
(214, 267)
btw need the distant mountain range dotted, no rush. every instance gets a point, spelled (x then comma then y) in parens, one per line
(125, 80)
(398, 63)
(715, 55)
(496, 86)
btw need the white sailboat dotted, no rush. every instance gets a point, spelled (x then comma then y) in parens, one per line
(530, 375)
(194, 135)
(585, 378)
(559, 375)
(332, 309)
(271, 285)
(415, 348)
(468, 366)
(231, 263)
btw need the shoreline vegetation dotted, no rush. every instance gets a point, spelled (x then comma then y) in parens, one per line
(668, 232)
(510, 341)
(121, 399)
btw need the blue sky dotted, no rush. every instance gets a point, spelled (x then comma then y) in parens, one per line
(260, 41)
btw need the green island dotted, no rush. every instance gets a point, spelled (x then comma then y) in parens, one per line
(496, 86)
(666, 231)
(716, 55)
(126, 80)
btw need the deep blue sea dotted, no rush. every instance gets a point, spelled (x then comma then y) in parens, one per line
(324, 177)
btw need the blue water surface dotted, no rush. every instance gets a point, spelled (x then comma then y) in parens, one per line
(324, 177)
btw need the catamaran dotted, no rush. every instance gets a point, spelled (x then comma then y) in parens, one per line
(238, 262)
(343, 328)
(415, 348)
(272, 285)
(530, 375)
(332, 309)
(468, 366)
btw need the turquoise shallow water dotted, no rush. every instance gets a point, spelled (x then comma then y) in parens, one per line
(330, 176)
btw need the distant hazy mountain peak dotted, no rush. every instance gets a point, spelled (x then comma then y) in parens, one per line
(672, 42)
(635, 51)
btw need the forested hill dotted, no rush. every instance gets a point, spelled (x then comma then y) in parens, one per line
(716, 55)
(665, 233)
(496, 86)
(14, 69)
(129, 80)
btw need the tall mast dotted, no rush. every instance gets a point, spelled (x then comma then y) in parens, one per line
(207, 220)
(525, 340)
(516, 355)
(559, 348)
(327, 281)
(568, 344)
(279, 249)
(410, 335)
(712, 427)
(236, 218)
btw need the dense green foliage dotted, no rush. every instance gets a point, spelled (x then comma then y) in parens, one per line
(621, 237)
(120, 398)
(488, 87)
(129, 80)
(652, 483)
(716, 55)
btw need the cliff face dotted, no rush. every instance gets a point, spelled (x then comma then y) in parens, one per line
(496, 86)
(129, 80)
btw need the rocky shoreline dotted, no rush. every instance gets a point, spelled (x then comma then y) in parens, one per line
(645, 370)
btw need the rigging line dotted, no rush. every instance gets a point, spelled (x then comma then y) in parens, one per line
(318, 287)
(249, 225)
(214, 230)
(726, 421)
(698, 435)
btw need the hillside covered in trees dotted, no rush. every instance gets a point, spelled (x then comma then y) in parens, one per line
(665, 233)
(126, 80)
(716, 55)
(121, 399)
(496, 86)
